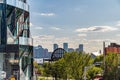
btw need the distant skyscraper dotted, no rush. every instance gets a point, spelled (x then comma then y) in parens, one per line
(65, 46)
(81, 47)
(45, 53)
(55, 46)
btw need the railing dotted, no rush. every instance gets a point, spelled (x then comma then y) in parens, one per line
(18, 4)
(25, 41)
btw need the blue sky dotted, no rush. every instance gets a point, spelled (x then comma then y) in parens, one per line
(87, 22)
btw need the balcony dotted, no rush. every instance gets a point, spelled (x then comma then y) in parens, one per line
(17, 3)
(25, 41)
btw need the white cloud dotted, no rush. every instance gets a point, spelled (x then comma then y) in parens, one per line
(46, 14)
(118, 23)
(62, 39)
(101, 40)
(44, 40)
(47, 41)
(118, 35)
(82, 35)
(55, 28)
(39, 28)
(47, 37)
(96, 29)
(35, 27)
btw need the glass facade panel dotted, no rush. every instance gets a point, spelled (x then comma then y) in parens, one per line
(25, 41)
(11, 25)
(17, 26)
(0, 22)
(19, 3)
(11, 2)
(15, 39)
(10, 37)
(3, 24)
(26, 58)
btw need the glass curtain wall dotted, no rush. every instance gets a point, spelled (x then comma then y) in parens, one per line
(15, 42)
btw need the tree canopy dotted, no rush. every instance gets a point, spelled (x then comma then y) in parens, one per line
(70, 66)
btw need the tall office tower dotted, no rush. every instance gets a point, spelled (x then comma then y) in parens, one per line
(65, 46)
(55, 46)
(81, 47)
(16, 50)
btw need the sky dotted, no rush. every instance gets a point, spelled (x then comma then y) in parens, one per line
(87, 22)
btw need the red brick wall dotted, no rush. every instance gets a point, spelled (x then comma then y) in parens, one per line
(112, 49)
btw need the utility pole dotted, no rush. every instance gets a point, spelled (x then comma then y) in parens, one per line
(85, 69)
(104, 55)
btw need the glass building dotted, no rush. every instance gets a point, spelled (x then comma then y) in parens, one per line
(81, 47)
(55, 46)
(65, 46)
(16, 50)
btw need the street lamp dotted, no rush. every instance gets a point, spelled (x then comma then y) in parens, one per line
(104, 54)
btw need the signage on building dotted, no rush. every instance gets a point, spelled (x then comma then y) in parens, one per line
(39, 61)
(14, 61)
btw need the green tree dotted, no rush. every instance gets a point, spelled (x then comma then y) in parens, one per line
(59, 69)
(47, 69)
(56, 69)
(99, 58)
(92, 72)
(111, 67)
(35, 64)
(38, 68)
(100, 61)
(76, 63)
(71, 66)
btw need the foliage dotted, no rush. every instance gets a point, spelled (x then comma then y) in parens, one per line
(92, 72)
(56, 69)
(35, 64)
(111, 67)
(47, 69)
(76, 63)
(70, 66)
(99, 58)
(38, 68)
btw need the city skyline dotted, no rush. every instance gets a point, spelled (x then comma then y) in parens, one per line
(81, 21)
(64, 46)
(41, 52)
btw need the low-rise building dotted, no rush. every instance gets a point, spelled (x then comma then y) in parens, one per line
(113, 47)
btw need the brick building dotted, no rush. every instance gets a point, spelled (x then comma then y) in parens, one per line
(113, 47)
